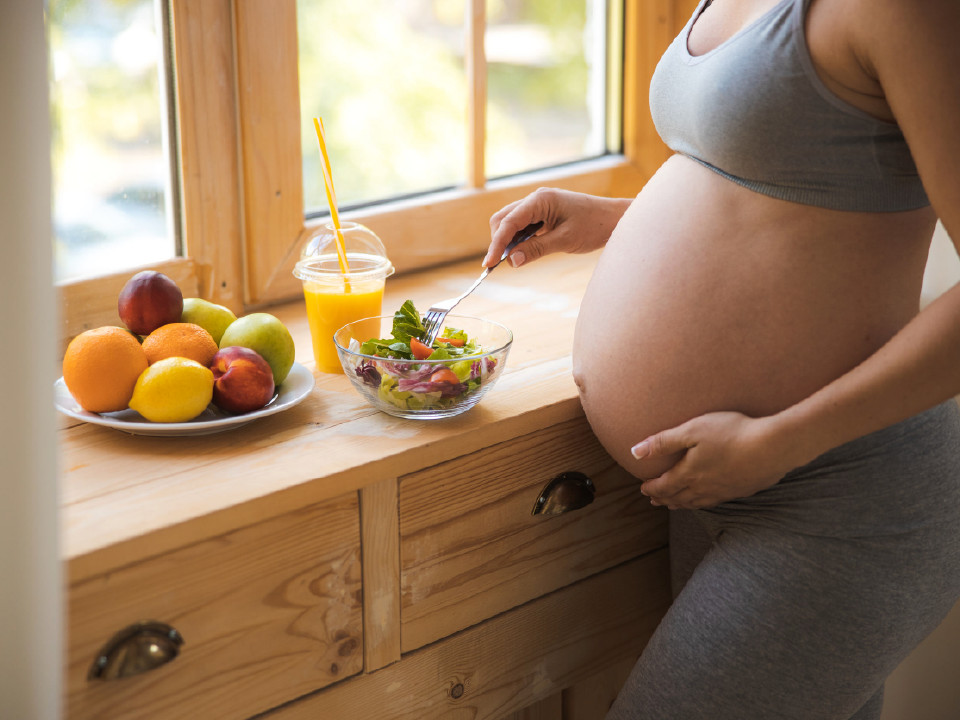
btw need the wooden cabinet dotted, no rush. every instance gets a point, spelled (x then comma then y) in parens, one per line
(471, 601)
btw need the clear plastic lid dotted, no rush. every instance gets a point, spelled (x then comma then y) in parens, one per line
(366, 255)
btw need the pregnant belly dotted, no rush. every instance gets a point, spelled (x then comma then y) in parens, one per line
(738, 303)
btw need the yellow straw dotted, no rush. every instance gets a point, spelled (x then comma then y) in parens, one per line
(332, 201)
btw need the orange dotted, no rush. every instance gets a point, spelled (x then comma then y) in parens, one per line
(101, 367)
(180, 340)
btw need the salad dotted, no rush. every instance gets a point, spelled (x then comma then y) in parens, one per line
(413, 376)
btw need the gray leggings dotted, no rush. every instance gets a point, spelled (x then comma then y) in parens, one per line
(798, 602)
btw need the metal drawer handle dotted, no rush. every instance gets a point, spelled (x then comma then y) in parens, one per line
(567, 491)
(136, 649)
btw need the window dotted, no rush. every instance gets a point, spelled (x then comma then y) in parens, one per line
(388, 78)
(547, 89)
(110, 145)
(394, 81)
(241, 135)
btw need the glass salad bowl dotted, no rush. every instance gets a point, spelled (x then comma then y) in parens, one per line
(453, 375)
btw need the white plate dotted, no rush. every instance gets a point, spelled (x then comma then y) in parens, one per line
(294, 389)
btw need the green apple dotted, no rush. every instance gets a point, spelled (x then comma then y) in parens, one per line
(268, 336)
(211, 317)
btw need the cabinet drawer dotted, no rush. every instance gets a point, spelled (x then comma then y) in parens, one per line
(267, 613)
(515, 659)
(470, 546)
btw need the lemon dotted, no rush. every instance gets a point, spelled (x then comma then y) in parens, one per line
(174, 389)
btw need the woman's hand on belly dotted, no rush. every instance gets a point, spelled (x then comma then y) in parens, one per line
(572, 222)
(725, 456)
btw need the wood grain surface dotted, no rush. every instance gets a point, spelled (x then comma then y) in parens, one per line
(267, 613)
(381, 574)
(470, 547)
(206, 84)
(332, 443)
(513, 660)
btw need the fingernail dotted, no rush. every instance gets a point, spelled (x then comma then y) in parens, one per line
(517, 258)
(640, 450)
(654, 502)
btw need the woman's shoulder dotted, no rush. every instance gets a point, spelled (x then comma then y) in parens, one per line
(912, 49)
(885, 27)
(862, 48)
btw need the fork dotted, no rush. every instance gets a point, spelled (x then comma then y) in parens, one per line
(433, 320)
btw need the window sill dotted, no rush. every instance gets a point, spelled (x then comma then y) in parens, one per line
(126, 497)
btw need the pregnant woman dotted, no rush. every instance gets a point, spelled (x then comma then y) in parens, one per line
(783, 396)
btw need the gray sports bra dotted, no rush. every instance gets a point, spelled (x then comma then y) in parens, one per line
(754, 110)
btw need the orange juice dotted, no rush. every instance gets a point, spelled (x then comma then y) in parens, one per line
(341, 287)
(329, 308)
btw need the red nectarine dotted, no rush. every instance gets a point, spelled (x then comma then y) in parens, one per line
(148, 300)
(243, 380)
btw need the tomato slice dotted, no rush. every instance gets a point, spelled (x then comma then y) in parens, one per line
(445, 375)
(456, 342)
(419, 350)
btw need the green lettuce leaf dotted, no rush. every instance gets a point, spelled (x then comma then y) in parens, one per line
(407, 323)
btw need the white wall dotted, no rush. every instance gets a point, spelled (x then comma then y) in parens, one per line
(943, 266)
(31, 625)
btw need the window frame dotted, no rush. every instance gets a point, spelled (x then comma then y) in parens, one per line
(238, 136)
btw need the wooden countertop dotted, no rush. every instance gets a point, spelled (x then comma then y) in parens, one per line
(128, 497)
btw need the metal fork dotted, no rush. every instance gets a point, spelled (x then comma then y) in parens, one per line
(433, 320)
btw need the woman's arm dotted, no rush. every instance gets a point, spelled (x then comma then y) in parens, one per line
(572, 222)
(912, 50)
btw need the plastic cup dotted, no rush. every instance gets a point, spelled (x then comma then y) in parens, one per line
(333, 298)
